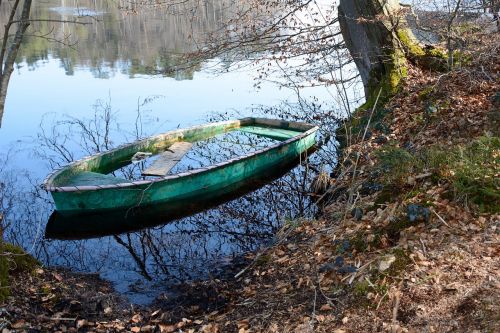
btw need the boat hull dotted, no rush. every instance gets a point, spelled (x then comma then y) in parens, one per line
(105, 223)
(185, 188)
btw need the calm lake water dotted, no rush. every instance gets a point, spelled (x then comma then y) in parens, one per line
(124, 66)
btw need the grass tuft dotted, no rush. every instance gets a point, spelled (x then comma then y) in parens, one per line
(473, 169)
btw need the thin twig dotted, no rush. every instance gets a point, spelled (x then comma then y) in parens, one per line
(396, 307)
(63, 318)
(380, 302)
(440, 218)
(313, 316)
(349, 201)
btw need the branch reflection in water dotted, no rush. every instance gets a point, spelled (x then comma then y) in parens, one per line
(188, 248)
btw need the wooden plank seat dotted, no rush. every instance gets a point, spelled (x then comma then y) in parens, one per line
(273, 133)
(168, 159)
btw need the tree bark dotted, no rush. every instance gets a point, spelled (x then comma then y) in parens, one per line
(369, 28)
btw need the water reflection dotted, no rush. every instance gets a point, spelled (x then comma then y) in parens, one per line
(144, 262)
(147, 216)
(136, 218)
(125, 37)
(137, 44)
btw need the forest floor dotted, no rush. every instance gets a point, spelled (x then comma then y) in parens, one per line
(410, 243)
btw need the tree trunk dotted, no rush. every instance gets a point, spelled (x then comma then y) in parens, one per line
(8, 53)
(369, 28)
(3, 95)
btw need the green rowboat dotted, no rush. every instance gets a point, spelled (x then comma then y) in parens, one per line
(114, 222)
(86, 186)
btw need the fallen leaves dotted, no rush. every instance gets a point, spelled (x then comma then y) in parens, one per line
(332, 275)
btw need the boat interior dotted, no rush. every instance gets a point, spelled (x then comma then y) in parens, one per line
(177, 151)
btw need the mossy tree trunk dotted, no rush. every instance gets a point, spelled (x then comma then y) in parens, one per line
(369, 28)
(380, 42)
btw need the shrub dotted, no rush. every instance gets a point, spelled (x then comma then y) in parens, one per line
(396, 164)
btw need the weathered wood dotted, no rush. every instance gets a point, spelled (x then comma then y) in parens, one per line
(168, 159)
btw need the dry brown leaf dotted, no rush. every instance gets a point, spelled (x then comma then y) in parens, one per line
(325, 307)
(19, 324)
(136, 318)
(243, 323)
(167, 328)
(81, 323)
(57, 276)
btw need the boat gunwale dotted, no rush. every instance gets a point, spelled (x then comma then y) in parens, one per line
(254, 120)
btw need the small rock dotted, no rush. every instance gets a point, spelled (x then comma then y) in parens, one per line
(386, 262)
(347, 269)
(430, 109)
(381, 139)
(409, 147)
(328, 267)
(357, 213)
(337, 266)
(370, 188)
(339, 261)
(382, 128)
(418, 213)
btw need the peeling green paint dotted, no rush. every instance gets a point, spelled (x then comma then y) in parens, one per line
(71, 199)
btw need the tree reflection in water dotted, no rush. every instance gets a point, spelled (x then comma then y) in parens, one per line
(124, 36)
(185, 249)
